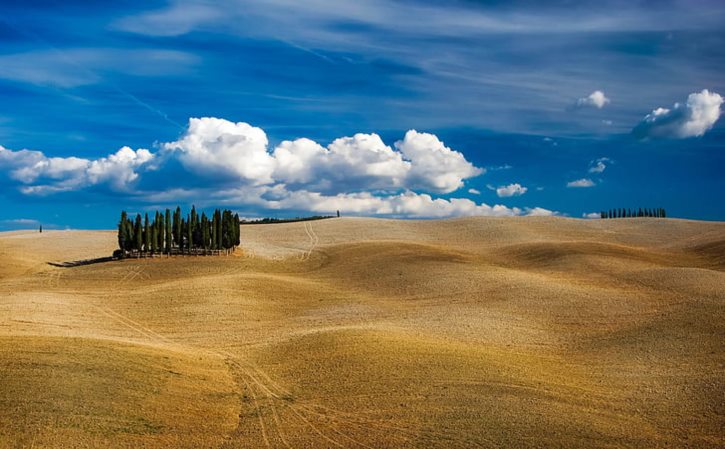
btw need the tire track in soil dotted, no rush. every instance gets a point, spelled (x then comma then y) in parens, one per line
(231, 359)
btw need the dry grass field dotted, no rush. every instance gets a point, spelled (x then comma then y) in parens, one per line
(465, 333)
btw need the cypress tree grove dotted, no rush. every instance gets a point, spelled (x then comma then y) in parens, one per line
(657, 212)
(196, 234)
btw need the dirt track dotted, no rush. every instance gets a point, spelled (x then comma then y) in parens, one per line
(517, 332)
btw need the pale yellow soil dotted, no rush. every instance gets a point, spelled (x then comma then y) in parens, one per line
(477, 332)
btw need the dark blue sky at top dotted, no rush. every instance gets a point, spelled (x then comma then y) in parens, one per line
(496, 81)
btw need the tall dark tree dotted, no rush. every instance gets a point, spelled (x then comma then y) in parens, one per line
(138, 234)
(189, 231)
(182, 226)
(214, 239)
(219, 229)
(160, 228)
(204, 231)
(154, 238)
(192, 224)
(130, 236)
(237, 230)
(227, 229)
(178, 236)
(122, 231)
(167, 234)
(146, 233)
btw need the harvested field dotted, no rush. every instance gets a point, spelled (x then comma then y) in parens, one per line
(477, 332)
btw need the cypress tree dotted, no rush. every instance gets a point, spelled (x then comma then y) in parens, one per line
(237, 230)
(219, 229)
(204, 231)
(213, 232)
(189, 228)
(168, 231)
(154, 238)
(160, 227)
(177, 227)
(130, 234)
(182, 226)
(226, 228)
(138, 234)
(146, 233)
(192, 224)
(122, 235)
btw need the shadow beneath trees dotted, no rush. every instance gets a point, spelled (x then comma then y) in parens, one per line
(78, 263)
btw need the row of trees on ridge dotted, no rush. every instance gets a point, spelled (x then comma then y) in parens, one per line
(169, 233)
(631, 213)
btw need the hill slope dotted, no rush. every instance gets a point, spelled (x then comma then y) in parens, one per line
(476, 332)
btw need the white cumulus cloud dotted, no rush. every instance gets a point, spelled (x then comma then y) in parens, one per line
(592, 215)
(223, 162)
(691, 119)
(218, 147)
(584, 182)
(434, 166)
(596, 99)
(408, 204)
(515, 189)
(238, 151)
(39, 174)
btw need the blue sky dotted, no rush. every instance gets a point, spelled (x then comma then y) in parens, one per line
(285, 108)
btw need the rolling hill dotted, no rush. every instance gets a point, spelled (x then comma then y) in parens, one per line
(475, 332)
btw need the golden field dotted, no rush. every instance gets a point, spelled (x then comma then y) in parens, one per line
(466, 333)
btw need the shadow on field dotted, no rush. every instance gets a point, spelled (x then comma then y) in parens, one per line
(78, 263)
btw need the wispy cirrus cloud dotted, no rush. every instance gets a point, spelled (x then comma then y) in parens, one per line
(74, 67)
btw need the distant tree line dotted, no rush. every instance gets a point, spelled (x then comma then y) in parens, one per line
(169, 233)
(631, 213)
(285, 220)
